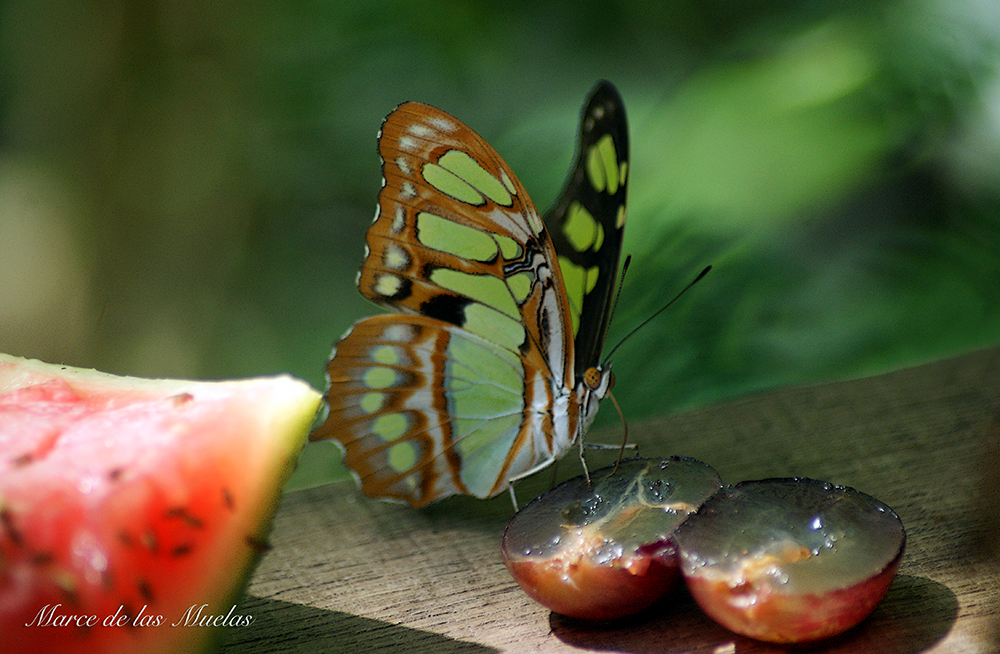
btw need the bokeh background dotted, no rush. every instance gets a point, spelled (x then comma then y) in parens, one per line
(185, 186)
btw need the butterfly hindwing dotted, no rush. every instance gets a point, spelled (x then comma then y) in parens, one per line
(587, 221)
(425, 409)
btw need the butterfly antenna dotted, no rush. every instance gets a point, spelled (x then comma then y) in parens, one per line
(618, 292)
(659, 311)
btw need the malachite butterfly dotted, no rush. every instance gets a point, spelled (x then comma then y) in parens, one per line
(489, 368)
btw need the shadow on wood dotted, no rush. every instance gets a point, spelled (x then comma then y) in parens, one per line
(297, 629)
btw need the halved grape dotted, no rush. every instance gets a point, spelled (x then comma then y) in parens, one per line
(790, 560)
(607, 551)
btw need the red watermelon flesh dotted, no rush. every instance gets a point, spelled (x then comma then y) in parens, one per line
(132, 511)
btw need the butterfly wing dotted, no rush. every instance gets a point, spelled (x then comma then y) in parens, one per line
(587, 221)
(471, 382)
(424, 409)
(457, 238)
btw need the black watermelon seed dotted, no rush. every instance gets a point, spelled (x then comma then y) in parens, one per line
(182, 550)
(145, 590)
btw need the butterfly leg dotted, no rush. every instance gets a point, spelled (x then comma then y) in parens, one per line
(632, 447)
(513, 496)
(624, 428)
(583, 460)
(527, 473)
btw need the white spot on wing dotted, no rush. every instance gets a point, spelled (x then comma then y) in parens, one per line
(398, 333)
(398, 221)
(404, 166)
(420, 131)
(442, 124)
(408, 191)
(395, 257)
(408, 143)
(387, 285)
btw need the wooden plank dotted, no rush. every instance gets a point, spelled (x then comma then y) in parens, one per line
(351, 574)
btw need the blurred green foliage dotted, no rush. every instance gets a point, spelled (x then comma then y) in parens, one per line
(185, 186)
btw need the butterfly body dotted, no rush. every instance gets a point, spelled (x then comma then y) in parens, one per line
(474, 380)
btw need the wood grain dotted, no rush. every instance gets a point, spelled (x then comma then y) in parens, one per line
(351, 574)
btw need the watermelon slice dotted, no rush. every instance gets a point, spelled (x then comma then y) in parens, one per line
(133, 510)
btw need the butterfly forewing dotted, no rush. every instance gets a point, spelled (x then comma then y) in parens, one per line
(457, 238)
(587, 221)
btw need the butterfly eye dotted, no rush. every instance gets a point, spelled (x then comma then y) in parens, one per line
(592, 378)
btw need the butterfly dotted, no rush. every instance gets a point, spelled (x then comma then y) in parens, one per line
(488, 369)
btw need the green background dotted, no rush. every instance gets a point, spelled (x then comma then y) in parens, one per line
(185, 186)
